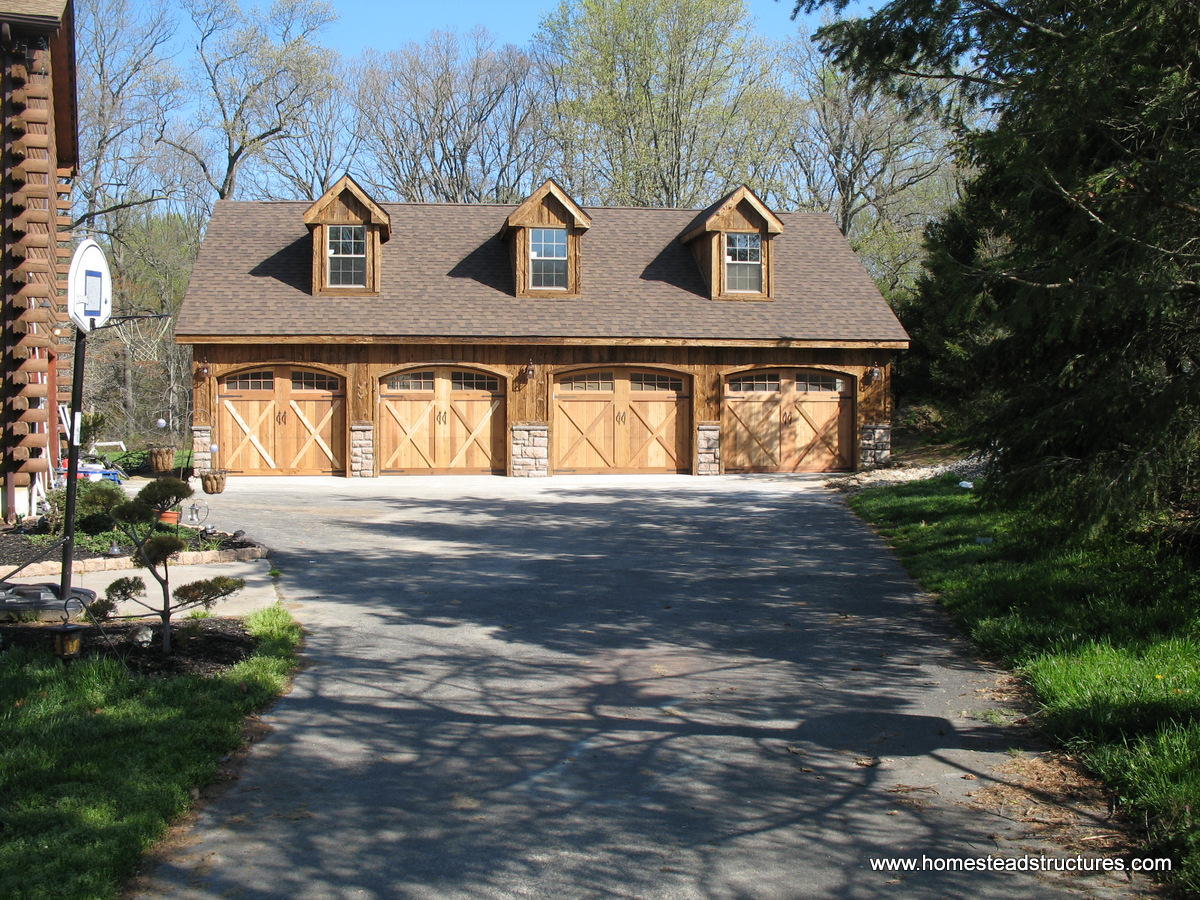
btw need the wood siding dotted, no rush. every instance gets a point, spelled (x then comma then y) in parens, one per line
(530, 401)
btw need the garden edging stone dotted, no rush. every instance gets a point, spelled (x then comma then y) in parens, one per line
(108, 563)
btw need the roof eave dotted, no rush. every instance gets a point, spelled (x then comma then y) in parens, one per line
(529, 340)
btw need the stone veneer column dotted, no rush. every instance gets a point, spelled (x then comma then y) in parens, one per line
(362, 450)
(876, 446)
(530, 450)
(708, 448)
(202, 460)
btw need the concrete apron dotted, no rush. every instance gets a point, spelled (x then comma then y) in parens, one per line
(644, 687)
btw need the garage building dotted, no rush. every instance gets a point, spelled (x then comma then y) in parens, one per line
(362, 339)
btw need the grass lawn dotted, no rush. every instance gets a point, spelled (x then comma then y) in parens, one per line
(1107, 633)
(95, 763)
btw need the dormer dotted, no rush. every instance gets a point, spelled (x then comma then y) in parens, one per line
(348, 229)
(731, 241)
(544, 234)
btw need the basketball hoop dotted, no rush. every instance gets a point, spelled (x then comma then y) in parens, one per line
(143, 337)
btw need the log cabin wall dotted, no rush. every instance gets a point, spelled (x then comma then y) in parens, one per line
(529, 402)
(39, 146)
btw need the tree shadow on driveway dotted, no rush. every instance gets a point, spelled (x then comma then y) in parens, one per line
(604, 690)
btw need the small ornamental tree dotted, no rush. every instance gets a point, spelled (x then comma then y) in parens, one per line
(153, 550)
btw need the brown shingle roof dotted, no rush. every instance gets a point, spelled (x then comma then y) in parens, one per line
(447, 273)
(46, 14)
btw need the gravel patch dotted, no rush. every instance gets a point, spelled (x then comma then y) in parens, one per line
(969, 468)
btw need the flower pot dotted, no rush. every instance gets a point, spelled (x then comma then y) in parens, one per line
(213, 482)
(170, 517)
(162, 459)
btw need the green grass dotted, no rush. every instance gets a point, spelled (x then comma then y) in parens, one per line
(95, 762)
(1106, 632)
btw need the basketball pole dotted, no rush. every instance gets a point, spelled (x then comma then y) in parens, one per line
(64, 588)
(64, 591)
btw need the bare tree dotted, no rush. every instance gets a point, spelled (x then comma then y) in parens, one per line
(451, 119)
(259, 74)
(127, 86)
(882, 171)
(659, 102)
(324, 146)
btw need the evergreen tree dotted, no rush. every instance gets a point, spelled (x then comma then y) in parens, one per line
(1067, 280)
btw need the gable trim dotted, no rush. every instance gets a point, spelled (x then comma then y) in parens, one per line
(525, 214)
(715, 213)
(375, 213)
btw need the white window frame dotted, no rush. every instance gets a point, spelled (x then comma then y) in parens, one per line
(537, 250)
(330, 255)
(753, 253)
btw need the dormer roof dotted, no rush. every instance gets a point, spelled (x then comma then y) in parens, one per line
(713, 218)
(375, 215)
(526, 214)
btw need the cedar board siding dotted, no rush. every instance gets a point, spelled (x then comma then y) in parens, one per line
(363, 365)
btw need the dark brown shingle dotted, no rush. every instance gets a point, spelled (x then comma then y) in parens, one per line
(447, 273)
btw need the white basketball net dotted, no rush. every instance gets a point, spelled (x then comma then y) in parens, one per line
(143, 338)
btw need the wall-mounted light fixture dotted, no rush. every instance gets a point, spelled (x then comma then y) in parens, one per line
(873, 374)
(529, 370)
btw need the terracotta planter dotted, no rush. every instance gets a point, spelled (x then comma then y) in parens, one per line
(213, 482)
(162, 459)
(170, 517)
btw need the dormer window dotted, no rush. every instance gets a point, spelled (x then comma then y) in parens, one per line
(733, 244)
(545, 238)
(743, 263)
(348, 230)
(548, 258)
(347, 255)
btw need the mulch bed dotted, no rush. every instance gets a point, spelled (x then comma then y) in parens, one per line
(198, 646)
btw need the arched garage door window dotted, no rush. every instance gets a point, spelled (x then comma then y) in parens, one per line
(282, 420)
(787, 420)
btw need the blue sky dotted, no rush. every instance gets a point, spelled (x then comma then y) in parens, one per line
(386, 26)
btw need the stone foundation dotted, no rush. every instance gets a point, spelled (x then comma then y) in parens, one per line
(202, 457)
(530, 451)
(708, 449)
(362, 450)
(876, 446)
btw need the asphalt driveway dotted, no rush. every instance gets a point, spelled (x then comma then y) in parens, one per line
(651, 687)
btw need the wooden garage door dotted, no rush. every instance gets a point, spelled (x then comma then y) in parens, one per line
(281, 420)
(442, 420)
(787, 421)
(622, 421)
